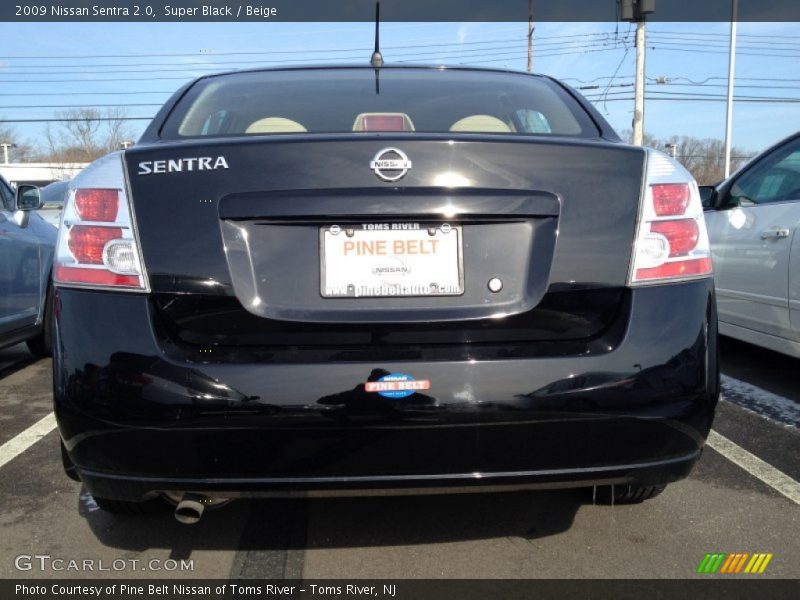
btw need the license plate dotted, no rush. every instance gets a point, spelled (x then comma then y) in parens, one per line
(391, 260)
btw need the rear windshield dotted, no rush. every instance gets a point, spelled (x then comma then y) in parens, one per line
(352, 101)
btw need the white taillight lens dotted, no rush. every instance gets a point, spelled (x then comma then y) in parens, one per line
(97, 244)
(671, 239)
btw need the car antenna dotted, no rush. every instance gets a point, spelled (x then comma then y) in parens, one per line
(377, 58)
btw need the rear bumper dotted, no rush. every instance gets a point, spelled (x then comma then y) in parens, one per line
(133, 487)
(137, 418)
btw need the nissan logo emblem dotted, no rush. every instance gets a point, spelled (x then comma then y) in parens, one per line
(390, 164)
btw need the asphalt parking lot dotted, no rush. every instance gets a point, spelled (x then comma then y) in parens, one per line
(731, 503)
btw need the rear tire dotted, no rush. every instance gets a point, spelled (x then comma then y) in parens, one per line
(627, 494)
(41, 345)
(123, 507)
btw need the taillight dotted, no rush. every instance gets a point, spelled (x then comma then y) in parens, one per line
(671, 241)
(671, 199)
(682, 235)
(97, 243)
(86, 242)
(96, 204)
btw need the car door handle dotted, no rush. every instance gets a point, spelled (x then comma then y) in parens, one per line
(775, 233)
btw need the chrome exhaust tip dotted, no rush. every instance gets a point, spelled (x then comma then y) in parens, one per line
(190, 509)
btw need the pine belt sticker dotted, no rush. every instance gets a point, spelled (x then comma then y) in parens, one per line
(397, 385)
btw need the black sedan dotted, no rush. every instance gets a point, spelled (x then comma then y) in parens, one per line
(312, 280)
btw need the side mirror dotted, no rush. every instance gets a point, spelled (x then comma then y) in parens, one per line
(708, 196)
(28, 198)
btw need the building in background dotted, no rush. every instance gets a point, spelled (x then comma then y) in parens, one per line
(40, 174)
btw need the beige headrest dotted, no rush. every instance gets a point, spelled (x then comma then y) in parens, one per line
(275, 125)
(481, 124)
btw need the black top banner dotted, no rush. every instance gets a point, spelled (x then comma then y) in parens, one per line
(398, 10)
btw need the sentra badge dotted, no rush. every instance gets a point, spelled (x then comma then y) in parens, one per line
(179, 165)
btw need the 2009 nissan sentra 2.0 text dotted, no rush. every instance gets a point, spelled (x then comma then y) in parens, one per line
(350, 280)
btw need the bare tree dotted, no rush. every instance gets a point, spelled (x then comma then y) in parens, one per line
(703, 158)
(117, 129)
(85, 134)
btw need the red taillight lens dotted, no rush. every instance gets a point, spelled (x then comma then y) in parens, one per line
(671, 199)
(682, 234)
(97, 204)
(383, 123)
(86, 242)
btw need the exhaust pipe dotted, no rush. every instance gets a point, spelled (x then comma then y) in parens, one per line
(190, 508)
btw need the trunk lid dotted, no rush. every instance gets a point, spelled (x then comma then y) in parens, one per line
(246, 217)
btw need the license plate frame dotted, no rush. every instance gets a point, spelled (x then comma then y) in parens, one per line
(391, 282)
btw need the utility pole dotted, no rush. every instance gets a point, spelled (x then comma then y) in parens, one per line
(6, 147)
(731, 75)
(638, 102)
(637, 10)
(531, 29)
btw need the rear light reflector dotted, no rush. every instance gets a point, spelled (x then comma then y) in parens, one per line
(97, 245)
(671, 199)
(682, 235)
(86, 242)
(97, 204)
(94, 277)
(681, 268)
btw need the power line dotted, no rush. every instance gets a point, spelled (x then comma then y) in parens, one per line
(199, 67)
(699, 51)
(722, 85)
(707, 79)
(506, 54)
(75, 120)
(701, 95)
(291, 51)
(93, 80)
(725, 35)
(455, 48)
(724, 41)
(25, 106)
(598, 39)
(785, 79)
(689, 99)
(694, 45)
(501, 50)
(82, 93)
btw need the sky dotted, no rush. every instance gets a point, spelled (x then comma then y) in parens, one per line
(47, 67)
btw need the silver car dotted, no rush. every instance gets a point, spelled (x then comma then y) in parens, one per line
(27, 243)
(752, 221)
(52, 196)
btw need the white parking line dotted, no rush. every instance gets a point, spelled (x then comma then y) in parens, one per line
(21, 442)
(759, 469)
